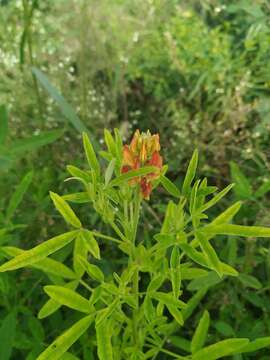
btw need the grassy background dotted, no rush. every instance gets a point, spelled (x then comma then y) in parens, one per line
(196, 72)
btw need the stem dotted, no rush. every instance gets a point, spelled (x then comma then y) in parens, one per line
(85, 285)
(118, 231)
(135, 280)
(97, 234)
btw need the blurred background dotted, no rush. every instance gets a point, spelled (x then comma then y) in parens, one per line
(197, 72)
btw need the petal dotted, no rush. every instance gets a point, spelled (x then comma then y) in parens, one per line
(125, 169)
(134, 141)
(156, 160)
(128, 157)
(146, 188)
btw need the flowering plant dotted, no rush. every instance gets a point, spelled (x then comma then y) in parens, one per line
(140, 311)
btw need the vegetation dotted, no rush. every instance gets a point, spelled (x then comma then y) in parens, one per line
(197, 73)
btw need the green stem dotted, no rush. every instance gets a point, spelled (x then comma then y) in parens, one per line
(97, 234)
(85, 285)
(135, 280)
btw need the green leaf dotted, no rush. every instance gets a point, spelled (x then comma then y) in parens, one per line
(250, 281)
(228, 270)
(69, 356)
(109, 171)
(3, 123)
(7, 335)
(18, 195)
(68, 297)
(148, 308)
(32, 256)
(78, 173)
(176, 314)
(215, 199)
(201, 332)
(242, 187)
(194, 255)
(80, 251)
(211, 279)
(132, 174)
(155, 283)
(201, 259)
(191, 172)
(65, 210)
(90, 154)
(224, 328)
(237, 230)
(77, 198)
(228, 214)
(65, 108)
(51, 305)
(180, 343)
(48, 266)
(210, 252)
(220, 349)
(104, 344)
(107, 312)
(68, 338)
(255, 345)
(91, 243)
(168, 299)
(34, 142)
(92, 270)
(263, 189)
(170, 187)
(192, 273)
(111, 146)
(193, 303)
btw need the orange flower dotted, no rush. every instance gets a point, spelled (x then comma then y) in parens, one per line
(143, 151)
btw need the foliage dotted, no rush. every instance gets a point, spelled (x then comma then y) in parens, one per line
(196, 72)
(138, 307)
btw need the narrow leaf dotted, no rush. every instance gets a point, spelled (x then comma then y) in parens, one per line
(215, 199)
(220, 349)
(47, 265)
(201, 332)
(242, 186)
(250, 281)
(170, 187)
(104, 344)
(91, 243)
(255, 345)
(132, 174)
(77, 198)
(51, 305)
(237, 230)
(34, 142)
(90, 154)
(7, 335)
(191, 171)
(65, 210)
(168, 299)
(92, 270)
(68, 297)
(175, 313)
(18, 195)
(68, 338)
(65, 108)
(193, 303)
(210, 252)
(32, 256)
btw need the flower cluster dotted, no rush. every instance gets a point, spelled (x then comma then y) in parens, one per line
(143, 151)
